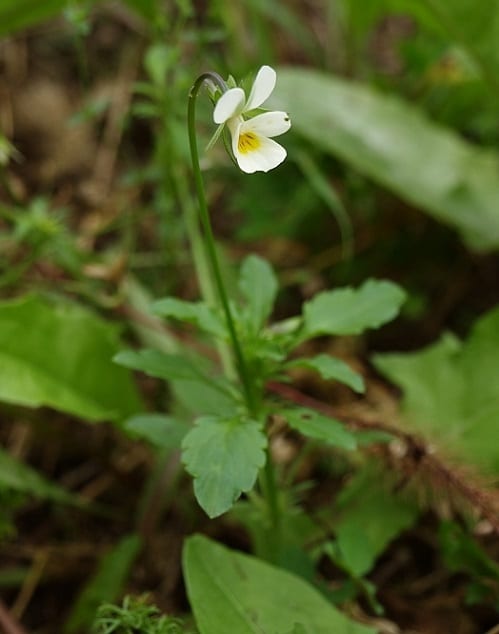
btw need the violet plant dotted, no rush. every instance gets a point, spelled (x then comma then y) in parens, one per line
(227, 449)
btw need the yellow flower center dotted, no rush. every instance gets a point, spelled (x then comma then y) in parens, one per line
(248, 142)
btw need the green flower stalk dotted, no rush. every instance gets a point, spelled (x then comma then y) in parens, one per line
(215, 79)
(254, 150)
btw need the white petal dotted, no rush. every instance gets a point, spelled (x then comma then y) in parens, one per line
(269, 123)
(230, 104)
(262, 87)
(234, 127)
(268, 155)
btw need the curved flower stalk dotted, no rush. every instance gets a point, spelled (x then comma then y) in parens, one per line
(252, 143)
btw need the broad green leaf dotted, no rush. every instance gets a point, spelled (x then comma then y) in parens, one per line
(450, 392)
(161, 431)
(315, 425)
(230, 592)
(259, 286)
(332, 368)
(106, 585)
(60, 355)
(196, 313)
(348, 311)
(20, 477)
(393, 143)
(19, 14)
(370, 516)
(224, 457)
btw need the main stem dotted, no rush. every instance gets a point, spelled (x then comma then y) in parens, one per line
(210, 240)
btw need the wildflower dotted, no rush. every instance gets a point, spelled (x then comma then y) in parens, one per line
(252, 144)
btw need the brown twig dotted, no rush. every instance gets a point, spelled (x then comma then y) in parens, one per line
(106, 157)
(30, 583)
(423, 455)
(8, 624)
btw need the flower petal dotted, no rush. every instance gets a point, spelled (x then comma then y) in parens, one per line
(230, 104)
(262, 88)
(269, 123)
(263, 158)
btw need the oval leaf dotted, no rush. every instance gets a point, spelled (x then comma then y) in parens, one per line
(315, 425)
(348, 311)
(197, 313)
(224, 457)
(231, 592)
(331, 368)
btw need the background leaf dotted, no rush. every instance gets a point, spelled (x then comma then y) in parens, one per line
(161, 431)
(249, 596)
(397, 146)
(59, 354)
(450, 391)
(348, 311)
(19, 14)
(259, 286)
(106, 584)
(20, 477)
(224, 457)
(370, 516)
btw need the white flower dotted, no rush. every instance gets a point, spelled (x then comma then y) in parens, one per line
(252, 145)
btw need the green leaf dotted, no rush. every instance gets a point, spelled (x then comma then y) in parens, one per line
(19, 14)
(370, 516)
(314, 425)
(393, 143)
(259, 286)
(450, 392)
(230, 592)
(59, 354)
(224, 457)
(348, 311)
(432, 382)
(461, 553)
(200, 398)
(158, 364)
(161, 431)
(106, 584)
(197, 313)
(186, 374)
(20, 477)
(332, 368)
